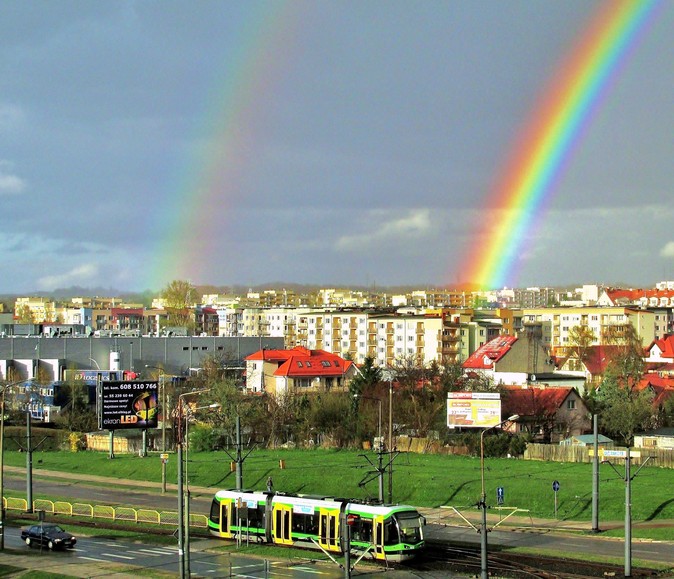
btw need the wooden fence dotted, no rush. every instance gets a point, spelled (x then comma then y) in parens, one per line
(552, 452)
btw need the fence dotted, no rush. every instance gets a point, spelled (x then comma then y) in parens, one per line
(559, 453)
(84, 510)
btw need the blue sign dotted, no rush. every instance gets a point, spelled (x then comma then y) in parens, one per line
(555, 486)
(500, 494)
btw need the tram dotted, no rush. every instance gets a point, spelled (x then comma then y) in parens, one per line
(383, 532)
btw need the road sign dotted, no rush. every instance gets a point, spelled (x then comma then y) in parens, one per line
(500, 495)
(555, 486)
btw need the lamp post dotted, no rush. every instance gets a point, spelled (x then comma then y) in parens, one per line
(189, 414)
(164, 414)
(483, 501)
(182, 522)
(2, 458)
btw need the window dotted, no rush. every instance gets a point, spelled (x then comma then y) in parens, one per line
(570, 404)
(299, 364)
(325, 363)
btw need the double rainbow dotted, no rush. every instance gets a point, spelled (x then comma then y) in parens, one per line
(546, 144)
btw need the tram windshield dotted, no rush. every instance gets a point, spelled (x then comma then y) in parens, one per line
(410, 523)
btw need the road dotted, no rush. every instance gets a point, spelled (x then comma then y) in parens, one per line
(546, 536)
(203, 563)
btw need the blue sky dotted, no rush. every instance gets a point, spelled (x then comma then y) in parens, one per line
(369, 155)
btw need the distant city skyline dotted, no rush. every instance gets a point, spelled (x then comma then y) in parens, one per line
(331, 144)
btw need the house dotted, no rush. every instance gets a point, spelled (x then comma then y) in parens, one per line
(548, 414)
(297, 370)
(592, 366)
(659, 438)
(510, 360)
(660, 351)
(586, 440)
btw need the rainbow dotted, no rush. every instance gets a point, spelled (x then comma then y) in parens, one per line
(210, 180)
(545, 146)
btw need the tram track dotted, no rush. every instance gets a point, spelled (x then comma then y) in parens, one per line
(458, 559)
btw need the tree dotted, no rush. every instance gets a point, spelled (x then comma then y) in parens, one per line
(623, 408)
(179, 297)
(580, 340)
(24, 315)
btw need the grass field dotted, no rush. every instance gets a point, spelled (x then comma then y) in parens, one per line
(420, 480)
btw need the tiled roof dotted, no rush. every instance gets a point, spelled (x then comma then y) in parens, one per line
(665, 345)
(302, 362)
(485, 356)
(534, 401)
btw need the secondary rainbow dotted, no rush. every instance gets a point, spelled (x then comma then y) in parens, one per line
(204, 186)
(548, 140)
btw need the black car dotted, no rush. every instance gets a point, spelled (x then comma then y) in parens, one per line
(48, 535)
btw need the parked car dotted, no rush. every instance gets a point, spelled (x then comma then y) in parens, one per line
(48, 535)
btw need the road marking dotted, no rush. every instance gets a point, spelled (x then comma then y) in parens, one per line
(118, 556)
(157, 552)
(93, 559)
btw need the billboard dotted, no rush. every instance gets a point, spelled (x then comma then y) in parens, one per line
(473, 409)
(128, 404)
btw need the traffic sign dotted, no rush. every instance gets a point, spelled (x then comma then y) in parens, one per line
(555, 486)
(500, 494)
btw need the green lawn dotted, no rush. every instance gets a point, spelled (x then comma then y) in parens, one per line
(420, 480)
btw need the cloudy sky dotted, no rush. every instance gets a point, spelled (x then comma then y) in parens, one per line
(323, 142)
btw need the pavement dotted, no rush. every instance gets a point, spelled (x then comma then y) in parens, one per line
(503, 518)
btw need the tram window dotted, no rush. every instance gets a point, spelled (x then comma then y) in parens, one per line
(390, 533)
(215, 512)
(299, 523)
(362, 531)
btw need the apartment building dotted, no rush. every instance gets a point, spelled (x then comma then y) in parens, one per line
(606, 323)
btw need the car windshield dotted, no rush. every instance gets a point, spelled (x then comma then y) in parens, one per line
(53, 529)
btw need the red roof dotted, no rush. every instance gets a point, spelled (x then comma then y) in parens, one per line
(662, 387)
(534, 401)
(665, 345)
(634, 295)
(486, 356)
(598, 357)
(302, 362)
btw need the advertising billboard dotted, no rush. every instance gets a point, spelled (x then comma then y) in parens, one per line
(473, 409)
(128, 404)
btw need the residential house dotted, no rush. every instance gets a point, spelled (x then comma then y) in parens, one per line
(659, 438)
(586, 440)
(549, 414)
(510, 360)
(298, 370)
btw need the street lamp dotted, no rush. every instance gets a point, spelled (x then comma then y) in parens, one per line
(188, 415)
(184, 561)
(2, 457)
(483, 500)
(164, 414)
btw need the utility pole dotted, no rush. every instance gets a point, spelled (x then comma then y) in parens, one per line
(595, 478)
(238, 459)
(628, 499)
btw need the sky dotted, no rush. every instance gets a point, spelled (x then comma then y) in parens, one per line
(333, 143)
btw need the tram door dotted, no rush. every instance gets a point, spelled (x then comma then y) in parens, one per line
(224, 516)
(282, 521)
(379, 537)
(328, 529)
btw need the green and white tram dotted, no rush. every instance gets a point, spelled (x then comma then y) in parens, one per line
(384, 532)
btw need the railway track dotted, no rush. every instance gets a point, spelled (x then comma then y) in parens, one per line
(441, 557)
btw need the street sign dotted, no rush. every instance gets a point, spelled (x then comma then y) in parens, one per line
(555, 486)
(500, 495)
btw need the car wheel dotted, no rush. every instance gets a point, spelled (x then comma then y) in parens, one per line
(50, 545)
(28, 541)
